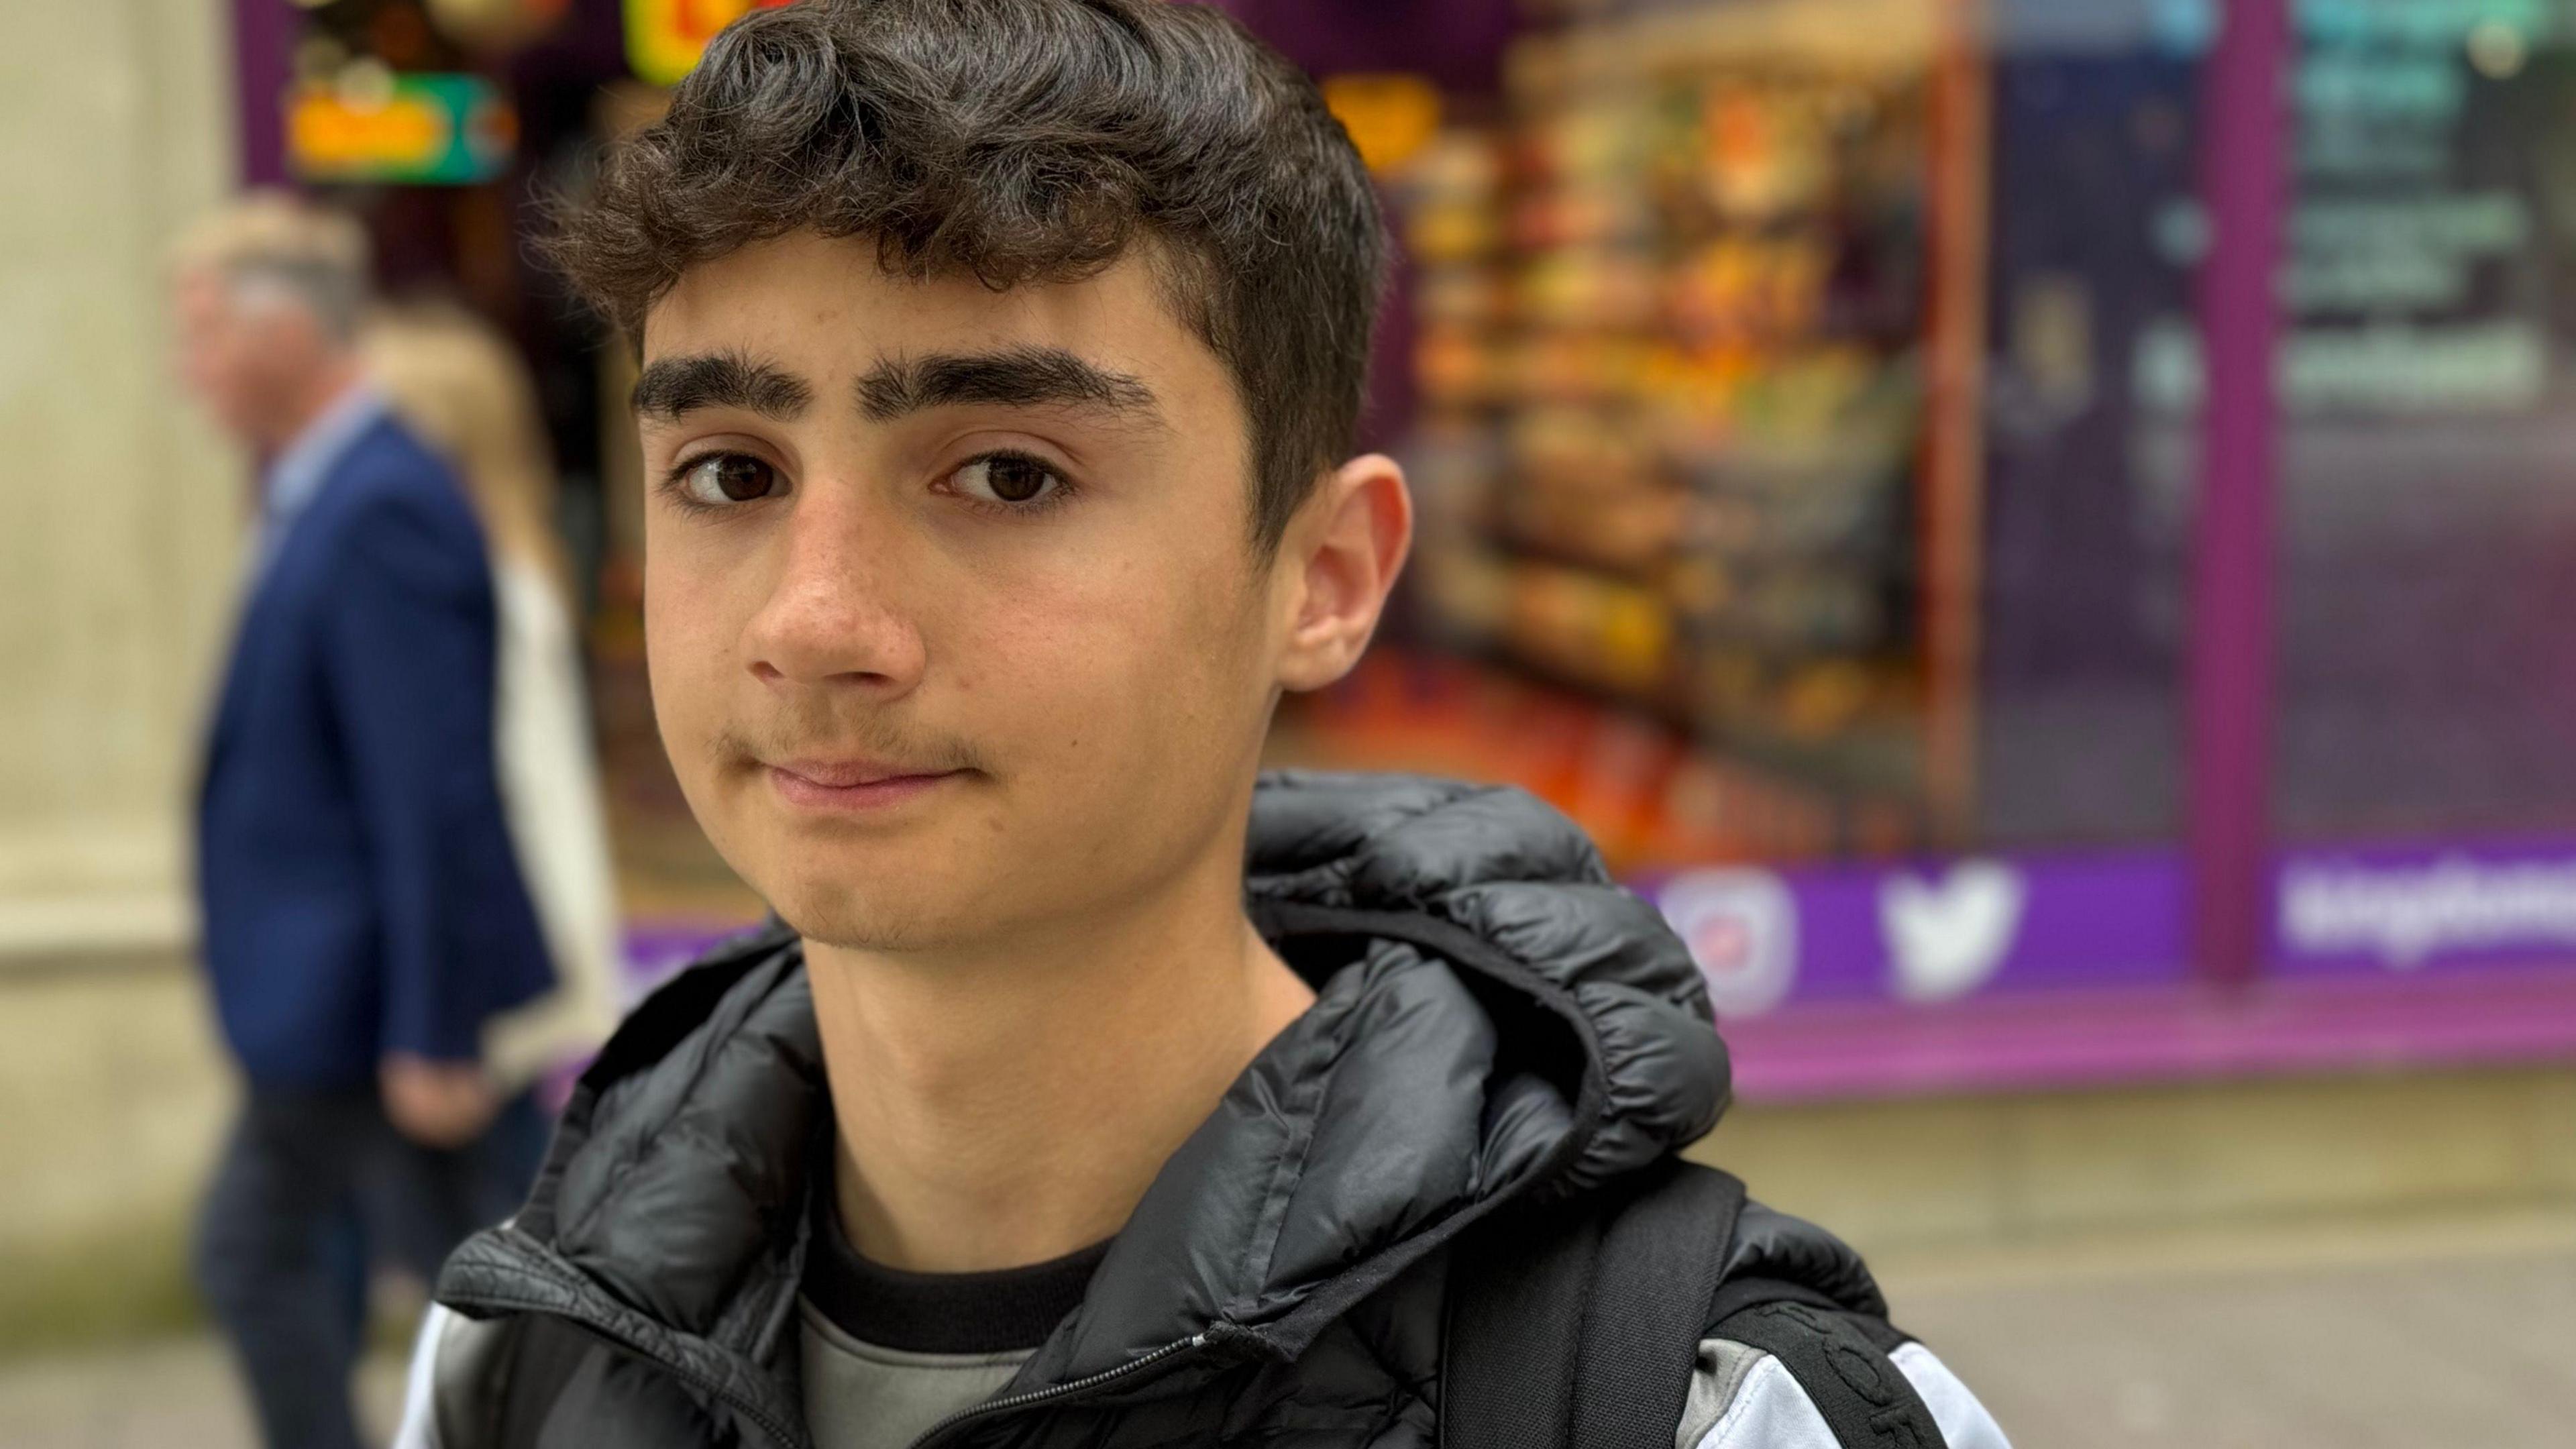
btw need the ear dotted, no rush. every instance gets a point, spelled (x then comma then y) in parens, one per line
(1339, 566)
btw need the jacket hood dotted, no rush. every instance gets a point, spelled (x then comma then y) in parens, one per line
(1495, 1021)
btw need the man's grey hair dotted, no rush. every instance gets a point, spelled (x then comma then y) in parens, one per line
(270, 245)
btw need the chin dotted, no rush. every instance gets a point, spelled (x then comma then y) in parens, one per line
(835, 916)
(861, 909)
(864, 887)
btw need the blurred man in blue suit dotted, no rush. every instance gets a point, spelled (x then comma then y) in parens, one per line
(364, 915)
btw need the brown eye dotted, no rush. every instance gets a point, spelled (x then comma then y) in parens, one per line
(1008, 478)
(728, 478)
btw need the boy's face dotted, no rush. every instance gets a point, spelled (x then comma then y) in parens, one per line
(953, 625)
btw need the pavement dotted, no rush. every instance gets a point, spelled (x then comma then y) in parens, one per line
(2457, 1334)
(2422, 1336)
(151, 1396)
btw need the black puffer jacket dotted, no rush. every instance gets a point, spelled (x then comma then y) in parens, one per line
(1496, 1022)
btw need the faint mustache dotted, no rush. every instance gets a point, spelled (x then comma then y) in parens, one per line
(872, 741)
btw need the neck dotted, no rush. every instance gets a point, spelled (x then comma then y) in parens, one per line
(1009, 1105)
(306, 403)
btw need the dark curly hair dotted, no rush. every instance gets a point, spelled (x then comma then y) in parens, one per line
(1023, 140)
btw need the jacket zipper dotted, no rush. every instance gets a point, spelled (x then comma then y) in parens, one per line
(1060, 1391)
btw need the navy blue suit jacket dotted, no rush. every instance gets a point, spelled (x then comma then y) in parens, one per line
(359, 888)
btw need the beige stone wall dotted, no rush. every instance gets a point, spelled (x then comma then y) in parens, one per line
(122, 508)
(115, 1100)
(120, 529)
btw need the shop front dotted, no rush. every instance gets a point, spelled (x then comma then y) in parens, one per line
(2036, 532)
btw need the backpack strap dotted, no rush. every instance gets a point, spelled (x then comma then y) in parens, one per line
(1580, 1326)
(1841, 1359)
(1515, 1329)
(1661, 1259)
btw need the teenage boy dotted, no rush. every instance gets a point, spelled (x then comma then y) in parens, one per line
(1000, 366)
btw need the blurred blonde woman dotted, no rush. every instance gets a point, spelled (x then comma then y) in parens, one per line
(465, 392)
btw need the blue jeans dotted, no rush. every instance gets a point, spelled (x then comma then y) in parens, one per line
(312, 1187)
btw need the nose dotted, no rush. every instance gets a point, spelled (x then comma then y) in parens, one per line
(836, 615)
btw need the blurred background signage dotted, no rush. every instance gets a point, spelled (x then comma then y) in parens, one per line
(437, 130)
(664, 38)
(1391, 116)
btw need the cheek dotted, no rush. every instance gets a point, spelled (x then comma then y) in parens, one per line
(249, 361)
(686, 649)
(1114, 672)
(216, 369)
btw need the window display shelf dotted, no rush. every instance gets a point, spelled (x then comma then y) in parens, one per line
(2105, 1037)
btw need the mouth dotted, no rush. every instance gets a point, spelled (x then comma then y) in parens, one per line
(848, 786)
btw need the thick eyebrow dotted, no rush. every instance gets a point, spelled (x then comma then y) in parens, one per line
(671, 387)
(1011, 377)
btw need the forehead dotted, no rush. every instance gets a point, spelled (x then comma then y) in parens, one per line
(823, 308)
(213, 292)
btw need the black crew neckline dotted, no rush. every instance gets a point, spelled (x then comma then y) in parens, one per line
(1006, 1310)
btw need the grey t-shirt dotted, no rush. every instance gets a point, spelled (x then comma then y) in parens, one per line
(888, 1354)
(862, 1396)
